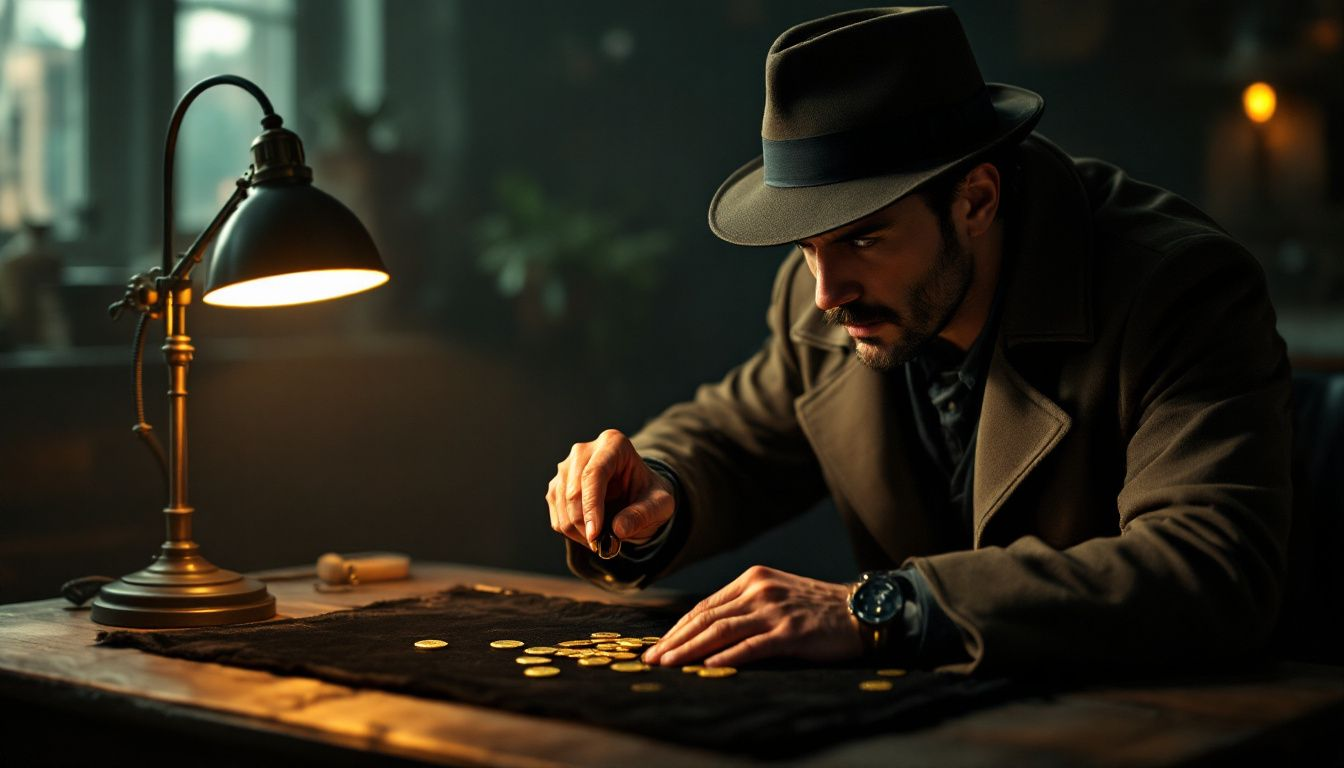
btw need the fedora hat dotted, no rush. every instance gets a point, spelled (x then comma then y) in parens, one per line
(861, 108)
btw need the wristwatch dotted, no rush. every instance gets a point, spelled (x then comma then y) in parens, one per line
(877, 602)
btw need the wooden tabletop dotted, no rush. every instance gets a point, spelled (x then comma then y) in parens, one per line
(47, 657)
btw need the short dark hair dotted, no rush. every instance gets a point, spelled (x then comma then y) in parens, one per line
(941, 190)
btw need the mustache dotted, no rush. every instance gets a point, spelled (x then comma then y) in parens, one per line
(858, 313)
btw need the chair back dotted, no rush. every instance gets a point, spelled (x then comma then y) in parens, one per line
(1311, 625)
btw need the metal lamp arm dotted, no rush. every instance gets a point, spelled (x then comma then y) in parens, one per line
(268, 121)
(145, 293)
(193, 255)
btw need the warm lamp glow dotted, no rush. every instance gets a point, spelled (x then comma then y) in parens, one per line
(1259, 101)
(295, 288)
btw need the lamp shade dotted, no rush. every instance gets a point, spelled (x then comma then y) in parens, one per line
(291, 243)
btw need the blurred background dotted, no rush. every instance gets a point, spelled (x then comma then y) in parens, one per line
(536, 176)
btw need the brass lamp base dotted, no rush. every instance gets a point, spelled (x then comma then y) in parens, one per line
(182, 590)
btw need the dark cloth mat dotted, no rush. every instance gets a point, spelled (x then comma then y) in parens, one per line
(767, 711)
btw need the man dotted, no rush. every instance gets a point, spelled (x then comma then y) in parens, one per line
(1048, 401)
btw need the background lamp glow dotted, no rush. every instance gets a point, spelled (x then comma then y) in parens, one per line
(1259, 101)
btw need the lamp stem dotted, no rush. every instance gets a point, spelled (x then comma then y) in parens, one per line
(178, 352)
(180, 588)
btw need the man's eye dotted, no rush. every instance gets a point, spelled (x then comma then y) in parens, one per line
(862, 242)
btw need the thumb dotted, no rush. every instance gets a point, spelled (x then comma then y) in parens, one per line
(640, 520)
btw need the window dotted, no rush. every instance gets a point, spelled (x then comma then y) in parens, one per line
(43, 139)
(250, 38)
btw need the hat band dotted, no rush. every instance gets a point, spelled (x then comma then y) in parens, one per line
(873, 151)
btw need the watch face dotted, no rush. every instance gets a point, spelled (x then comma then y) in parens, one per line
(877, 601)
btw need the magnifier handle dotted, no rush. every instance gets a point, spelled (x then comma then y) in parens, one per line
(363, 567)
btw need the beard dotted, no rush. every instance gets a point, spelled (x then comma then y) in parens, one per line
(931, 302)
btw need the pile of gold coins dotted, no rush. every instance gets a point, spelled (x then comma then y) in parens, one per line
(600, 649)
(618, 654)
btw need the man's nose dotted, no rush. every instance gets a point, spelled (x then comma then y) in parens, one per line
(834, 288)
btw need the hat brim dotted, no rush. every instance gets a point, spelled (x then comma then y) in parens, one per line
(745, 211)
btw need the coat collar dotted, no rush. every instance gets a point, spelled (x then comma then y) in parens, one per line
(1049, 290)
(1048, 301)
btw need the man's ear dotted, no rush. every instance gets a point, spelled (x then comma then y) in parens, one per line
(978, 199)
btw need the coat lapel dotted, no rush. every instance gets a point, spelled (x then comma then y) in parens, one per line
(858, 425)
(1018, 428)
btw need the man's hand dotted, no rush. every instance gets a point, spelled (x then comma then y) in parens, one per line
(764, 613)
(607, 474)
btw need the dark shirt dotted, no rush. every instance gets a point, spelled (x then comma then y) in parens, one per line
(946, 388)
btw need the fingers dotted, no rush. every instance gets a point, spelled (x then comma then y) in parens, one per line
(557, 503)
(719, 605)
(757, 647)
(593, 472)
(703, 612)
(670, 649)
(593, 488)
(720, 634)
(573, 508)
(764, 613)
(607, 470)
(551, 505)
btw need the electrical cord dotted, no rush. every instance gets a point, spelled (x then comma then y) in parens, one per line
(142, 428)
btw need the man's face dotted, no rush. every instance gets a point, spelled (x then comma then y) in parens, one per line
(893, 279)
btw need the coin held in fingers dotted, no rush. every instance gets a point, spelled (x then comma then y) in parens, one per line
(608, 546)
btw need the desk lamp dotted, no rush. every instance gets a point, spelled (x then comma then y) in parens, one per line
(281, 242)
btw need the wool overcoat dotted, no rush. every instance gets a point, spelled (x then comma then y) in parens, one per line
(1131, 487)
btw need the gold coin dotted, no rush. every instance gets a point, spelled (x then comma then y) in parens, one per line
(609, 647)
(575, 643)
(875, 685)
(630, 666)
(566, 652)
(651, 639)
(605, 635)
(646, 687)
(506, 644)
(630, 642)
(540, 650)
(533, 659)
(430, 643)
(717, 672)
(692, 669)
(541, 671)
(891, 672)
(622, 655)
(594, 661)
